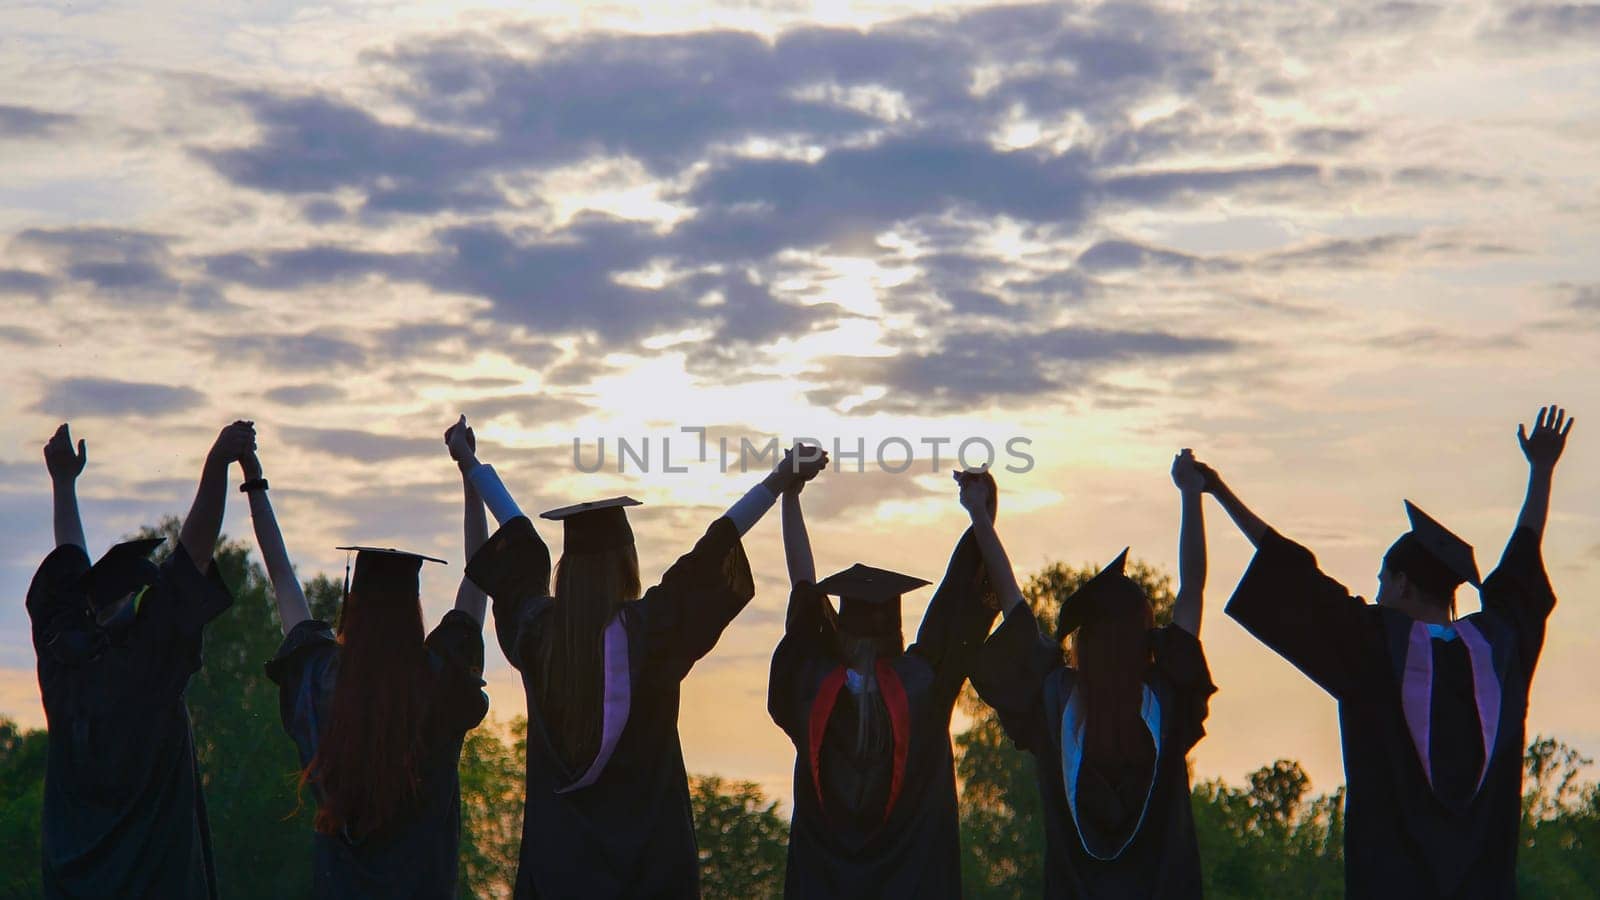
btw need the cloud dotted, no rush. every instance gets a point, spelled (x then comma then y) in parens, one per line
(1327, 139)
(73, 397)
(363, 446)
(562, 283)
(1584, 297)
(895, 131)
(289, 352)
(529, 410)
(305, 394)
(286, 270)
(1433, 339)
(312, 144)
(20, 336)
(26, 122)
(118, 264)
(1177, 184)
(20, 282)
(477, 108)
(755, 208)
(1546, 22)
(1119, 255)
(966, 370)
(889, 143)
(845, 491)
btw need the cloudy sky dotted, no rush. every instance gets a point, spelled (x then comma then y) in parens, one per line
(1338, 251)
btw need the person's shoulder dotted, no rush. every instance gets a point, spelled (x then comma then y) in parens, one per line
(61, 566)
(309, 641)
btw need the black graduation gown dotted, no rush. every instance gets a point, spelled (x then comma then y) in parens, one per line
(1153, 852)
(1405, 836)
(414, 856)
(840, 843)
(123, 811)
(622, 826)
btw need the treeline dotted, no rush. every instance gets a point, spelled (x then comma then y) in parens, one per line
(1266, 838)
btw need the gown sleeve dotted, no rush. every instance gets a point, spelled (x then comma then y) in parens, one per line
(1012, 667)
(300, 669)
(457, 645)
(196, 598)
(684, 615)
(1307, 617)
(956, 622)
(57, 618)
(513, 568)
(805, 638)
(1519, 589)
(1181, 661)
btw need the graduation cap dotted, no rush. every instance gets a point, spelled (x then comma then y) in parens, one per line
(385, 570)
(594, 526)
(123, 569)
(869, 598)
(1432, 555)
(1092, 598)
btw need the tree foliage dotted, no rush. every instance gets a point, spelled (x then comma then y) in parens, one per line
(743, 839)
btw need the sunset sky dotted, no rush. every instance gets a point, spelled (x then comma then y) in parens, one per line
(1340, 250)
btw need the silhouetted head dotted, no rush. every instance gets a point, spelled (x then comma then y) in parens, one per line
(598, 574)
(868, 624)
(116, 584)
(1109, 619)
(1423, 568)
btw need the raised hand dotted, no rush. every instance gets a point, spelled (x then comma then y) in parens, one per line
(800, 464)
(462, 443)
(59, 458)
(978, 492)
(1543, 447)
(1188, 473)
(233, 442)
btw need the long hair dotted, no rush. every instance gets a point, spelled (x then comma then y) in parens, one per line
(1112, 653)
(874, 734)
(367, 767)
(589, 590)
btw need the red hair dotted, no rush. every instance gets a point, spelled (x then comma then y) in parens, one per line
(367, 766)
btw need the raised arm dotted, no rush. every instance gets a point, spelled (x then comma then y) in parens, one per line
(204, 523)
(1190, 603)
(463, 445)
(286, 590)
(1248, 522)
(978, 498)
(796, 542)
(1543, 449)
(64, 467)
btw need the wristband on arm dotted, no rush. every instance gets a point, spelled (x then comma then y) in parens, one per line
(494, 493)
(751, 507)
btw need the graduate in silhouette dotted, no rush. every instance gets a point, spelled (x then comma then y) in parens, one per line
(1432, 707)
(607, 808)
(1111, 730)
(874, 782)
(377, 709)
(117, 642)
